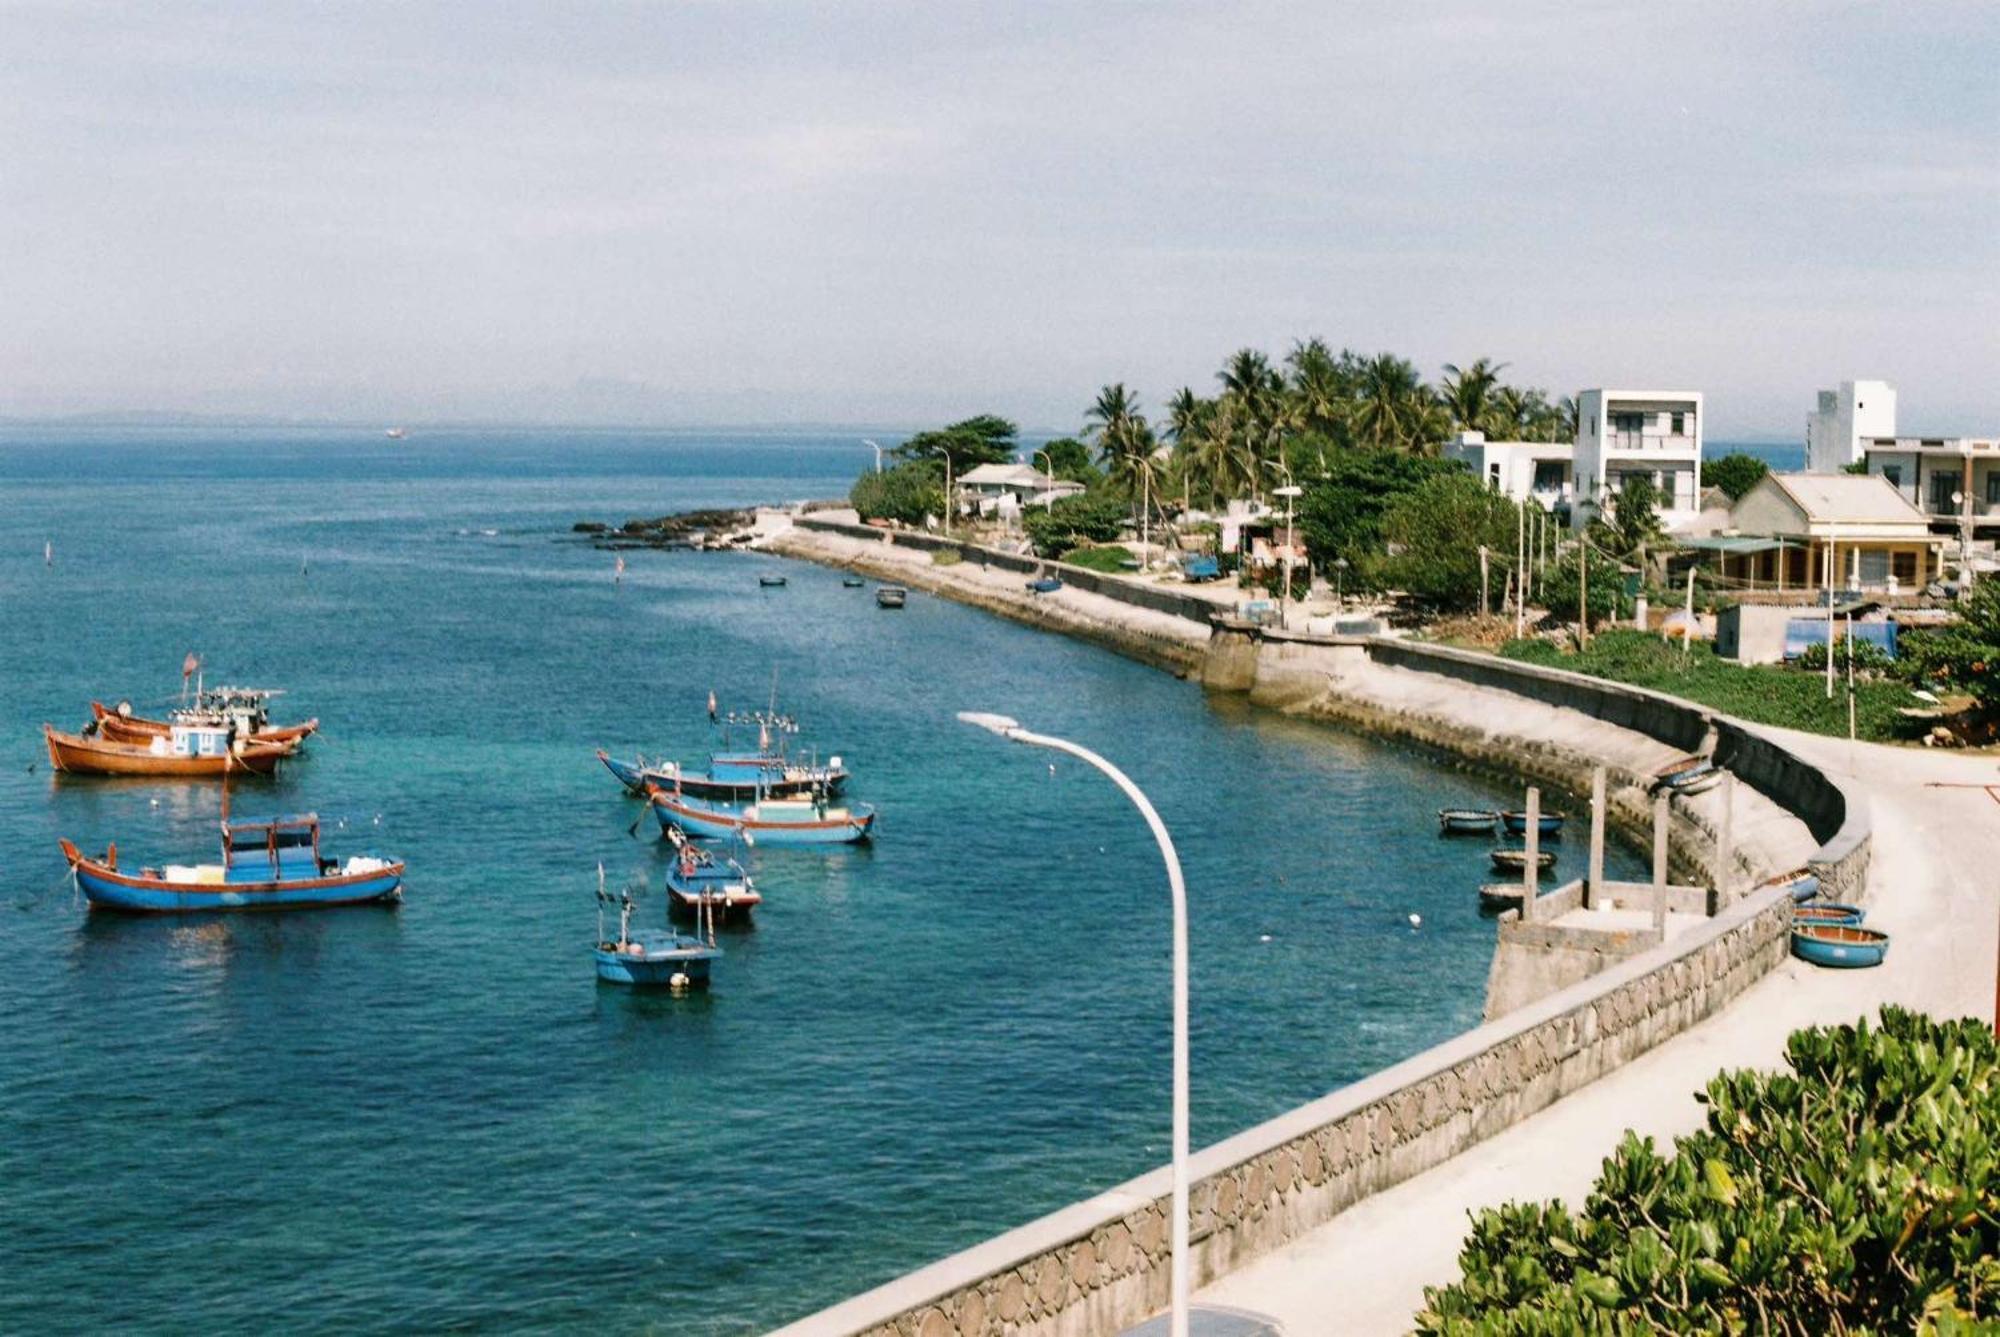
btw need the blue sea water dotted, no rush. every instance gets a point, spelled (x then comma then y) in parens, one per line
(433, 1117)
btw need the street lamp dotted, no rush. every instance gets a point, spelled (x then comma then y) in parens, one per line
(1048, 459)
(1340, 583)
(1289, 493)
(878, 453)
(1011, 729)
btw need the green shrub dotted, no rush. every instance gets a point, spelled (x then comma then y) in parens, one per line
(946, 557)
(1111, 558)
(1434, 535)
(1867, 656)
(1859, 1192)
(908, 492)
(1074, 522)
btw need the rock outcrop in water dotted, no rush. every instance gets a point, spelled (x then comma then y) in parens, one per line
(688, 529)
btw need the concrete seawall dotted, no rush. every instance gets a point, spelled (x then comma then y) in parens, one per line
(1100, 1265)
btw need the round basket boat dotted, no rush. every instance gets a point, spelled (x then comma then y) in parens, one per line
(1842, 946)
(1803, 883)
(1828, 912)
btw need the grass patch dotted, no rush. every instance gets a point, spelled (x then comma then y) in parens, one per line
(1766, 694)
(1110, 558)
(946, 557)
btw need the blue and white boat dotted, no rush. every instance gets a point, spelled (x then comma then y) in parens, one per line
(1842, 946)
(731, 777)
(767, 821)
(271, 864)
(649, 958)
(1516, 823)
(702, 884)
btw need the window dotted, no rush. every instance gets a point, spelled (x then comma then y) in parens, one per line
(1943, 484)
(1549, 475)
(1904, 566)
(1628, 422)
(1493, 481)
(1894, 473)
(1680, 424)
(1993, 488)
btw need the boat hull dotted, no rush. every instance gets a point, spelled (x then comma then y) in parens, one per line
(1840, 946)
(1467, 821)
(135, 729)
(1803, 884)
(1513, 861)
(726, 823)
(107, 889)
(1516, 823)
(1828, 913)
(654, 970)
(636, 778)
(77, 755)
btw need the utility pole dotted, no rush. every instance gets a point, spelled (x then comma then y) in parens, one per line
(1582, 592)
(1520, 567)
(1482, 589)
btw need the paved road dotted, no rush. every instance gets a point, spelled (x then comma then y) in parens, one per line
(1934, 883)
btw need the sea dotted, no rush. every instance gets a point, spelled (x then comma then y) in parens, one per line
(433, 1117)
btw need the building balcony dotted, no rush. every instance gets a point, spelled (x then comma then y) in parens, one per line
(1648, 442)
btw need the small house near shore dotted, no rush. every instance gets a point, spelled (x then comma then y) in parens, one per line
(1006, 489)
(1814, 531)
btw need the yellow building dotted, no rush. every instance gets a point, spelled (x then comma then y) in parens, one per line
(1808, 531)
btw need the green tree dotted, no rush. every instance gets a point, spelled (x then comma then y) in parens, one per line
(1964, 654)
(1634, 525)
(1339, 517)
(908, 492)
(984, 439)
(1434, 535)
(1394, 409)
(1468, 391)
(1556, 588)
(1092, 517)
(1735, 473)
(1125, 443)
(1069, 458)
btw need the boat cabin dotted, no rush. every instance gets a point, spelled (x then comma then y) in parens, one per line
(198, 738)
(279, 848)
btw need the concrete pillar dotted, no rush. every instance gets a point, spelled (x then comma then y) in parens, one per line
(1725, 840)
(1595, 880)
(1530, 874)
(1660, 867)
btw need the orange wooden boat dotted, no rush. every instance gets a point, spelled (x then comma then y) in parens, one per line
(187, 752)
(117, 727)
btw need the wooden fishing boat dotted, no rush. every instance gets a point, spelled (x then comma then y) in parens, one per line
(248, 709)
(1690, 775)
(891, 596)
(1515, 861)
(768, 821)
(1803, 883)
(1467, 821)
(273, 864)
(1842, 946)
(1516, 823)
(701, 884)
(1828, 912)
(731, 779)
(770, 581)
(188, 751)
(649, 958)
(853, 582)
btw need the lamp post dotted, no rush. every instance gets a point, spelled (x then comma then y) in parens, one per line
(1289, 493)
(1340, 583)
(878, 453)
(1046, 458)
(1011, 729)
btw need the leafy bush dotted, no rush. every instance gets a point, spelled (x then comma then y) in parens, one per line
(1964, 655)
(1766, 694)
(1557, 590)
(1868, 658)
(1074, 522)
(1341, 513)
(908, 493)
(1435, 534)
(1858, 1193)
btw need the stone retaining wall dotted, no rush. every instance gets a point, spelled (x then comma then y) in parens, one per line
(1101, 1265)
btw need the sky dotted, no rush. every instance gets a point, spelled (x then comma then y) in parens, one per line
(904, 213)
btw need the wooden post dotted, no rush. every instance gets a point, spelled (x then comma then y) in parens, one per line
(1482, 583)
(1594, 886)
(1582, 592)
(1660, 867)
(1725, 841)
(1530, 874)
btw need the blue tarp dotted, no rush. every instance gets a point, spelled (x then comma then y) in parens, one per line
(1801, 632)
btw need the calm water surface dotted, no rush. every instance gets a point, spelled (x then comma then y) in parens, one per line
(434, 1117)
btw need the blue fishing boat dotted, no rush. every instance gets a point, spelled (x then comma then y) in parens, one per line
(1044, 585)
(1828, 912)
(731, 779)
(1467, 821)
(1516, 823)
(1841, 946)
(703, 884)
(1803, 883)
(768, 821)
(272, 864)
(649, 958)
(770, 581)
(1690, 775)
(853, 582)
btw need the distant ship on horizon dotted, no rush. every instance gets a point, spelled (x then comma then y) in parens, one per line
(395, 434)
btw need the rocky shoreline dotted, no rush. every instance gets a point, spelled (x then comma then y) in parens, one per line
(688, 531)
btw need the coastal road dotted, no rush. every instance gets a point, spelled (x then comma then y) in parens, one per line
(1934, 883)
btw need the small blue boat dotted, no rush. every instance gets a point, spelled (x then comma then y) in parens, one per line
(768, 821)
(649, 958)
(770, 581)
(1690, 775)
(1516, 823)
(1841, 946)
(1044, 585)
(853, 582)
(1467, 821)
(1828, 912)
(1803, 883)
(701, 884)
(271, 864)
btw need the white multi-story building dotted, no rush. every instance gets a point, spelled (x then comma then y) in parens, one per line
(1837, 432)
(1622, 435)
(1521, 470)
(1953, 480)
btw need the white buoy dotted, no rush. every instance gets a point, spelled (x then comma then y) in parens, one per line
(1263, 937)
(677, 981)
(156, 803)
(1416, 921)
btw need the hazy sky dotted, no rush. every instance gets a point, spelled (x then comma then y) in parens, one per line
(735, 211)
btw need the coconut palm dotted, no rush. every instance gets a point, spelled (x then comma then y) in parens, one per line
(1124, 441)
(1467, 392)
(1394, 408)
(1318, 393)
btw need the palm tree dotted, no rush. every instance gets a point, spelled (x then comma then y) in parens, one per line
(1467, 390)
(1318, 396)
(1124, 442)
(1184, 414)
(1395, 409)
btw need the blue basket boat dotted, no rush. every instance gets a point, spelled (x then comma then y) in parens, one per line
(272, 864)
(649, 958)
(771, 582)
(1044, 585)
(1803, 883)
(1841, 946)
(768, 821)
(1828, 912)
(1516, 823)
(1692, 775)
(1509, 859)
(1467, 821)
